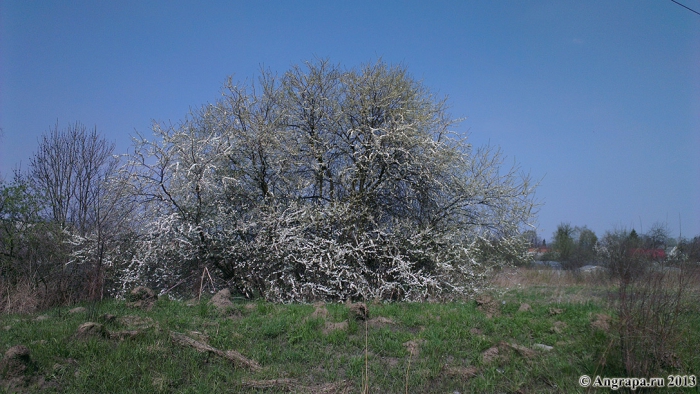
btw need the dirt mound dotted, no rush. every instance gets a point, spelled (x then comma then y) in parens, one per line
(601, 322)
(96, 330)
(16, 368)
(359, 311)
(142, 297)
(222, 300)
(558, 327)
(461, 372)
(555, 311)
(91, 329)
(489, 355)
(413, 346)
(488, 305)
(15, 363)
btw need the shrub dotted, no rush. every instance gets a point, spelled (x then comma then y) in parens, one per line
(327, 184)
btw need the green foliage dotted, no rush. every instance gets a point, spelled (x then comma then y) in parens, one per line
(564, 242)
(574, 246)
(30, 248)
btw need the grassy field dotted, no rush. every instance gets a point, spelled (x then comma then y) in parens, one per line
(493, 344)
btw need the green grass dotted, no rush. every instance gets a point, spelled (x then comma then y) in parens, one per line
(288, 343)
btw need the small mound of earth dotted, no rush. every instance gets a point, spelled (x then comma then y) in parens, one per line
(221, 300)
(17, 372)
(79, 309)
(488, 305)
(142, 297)
(91, 329)
(558, 327)
(555, 311)
(359, 311)
(413, 346)
(524, 307)
(462, 372)
(601, 322)
(15, 363)
(489, 355)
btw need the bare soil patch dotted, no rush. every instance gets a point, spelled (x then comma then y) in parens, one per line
(359, 311)
(490, 355)
(222, 300)
(601, 321)
(413, 346)
(488, 305)
(558, 327)
(91, 330)
(461, 372)
(142, 297)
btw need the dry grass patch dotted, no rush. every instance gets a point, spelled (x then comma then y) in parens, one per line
(330, 326)
(413, 346)
(601, 322)
(461, 372)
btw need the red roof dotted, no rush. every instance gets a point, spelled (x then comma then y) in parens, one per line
(650, 253)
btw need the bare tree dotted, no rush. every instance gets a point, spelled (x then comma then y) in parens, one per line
(73, 171)
(68, 169)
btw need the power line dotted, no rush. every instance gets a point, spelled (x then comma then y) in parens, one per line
(685, 7)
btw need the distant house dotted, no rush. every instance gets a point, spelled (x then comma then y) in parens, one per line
(538, 251)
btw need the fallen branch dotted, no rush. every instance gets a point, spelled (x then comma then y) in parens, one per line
(236, 358)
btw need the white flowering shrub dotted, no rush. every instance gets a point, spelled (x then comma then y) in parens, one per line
(325, 184)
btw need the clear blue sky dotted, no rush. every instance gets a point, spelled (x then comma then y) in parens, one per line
(598, 99)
